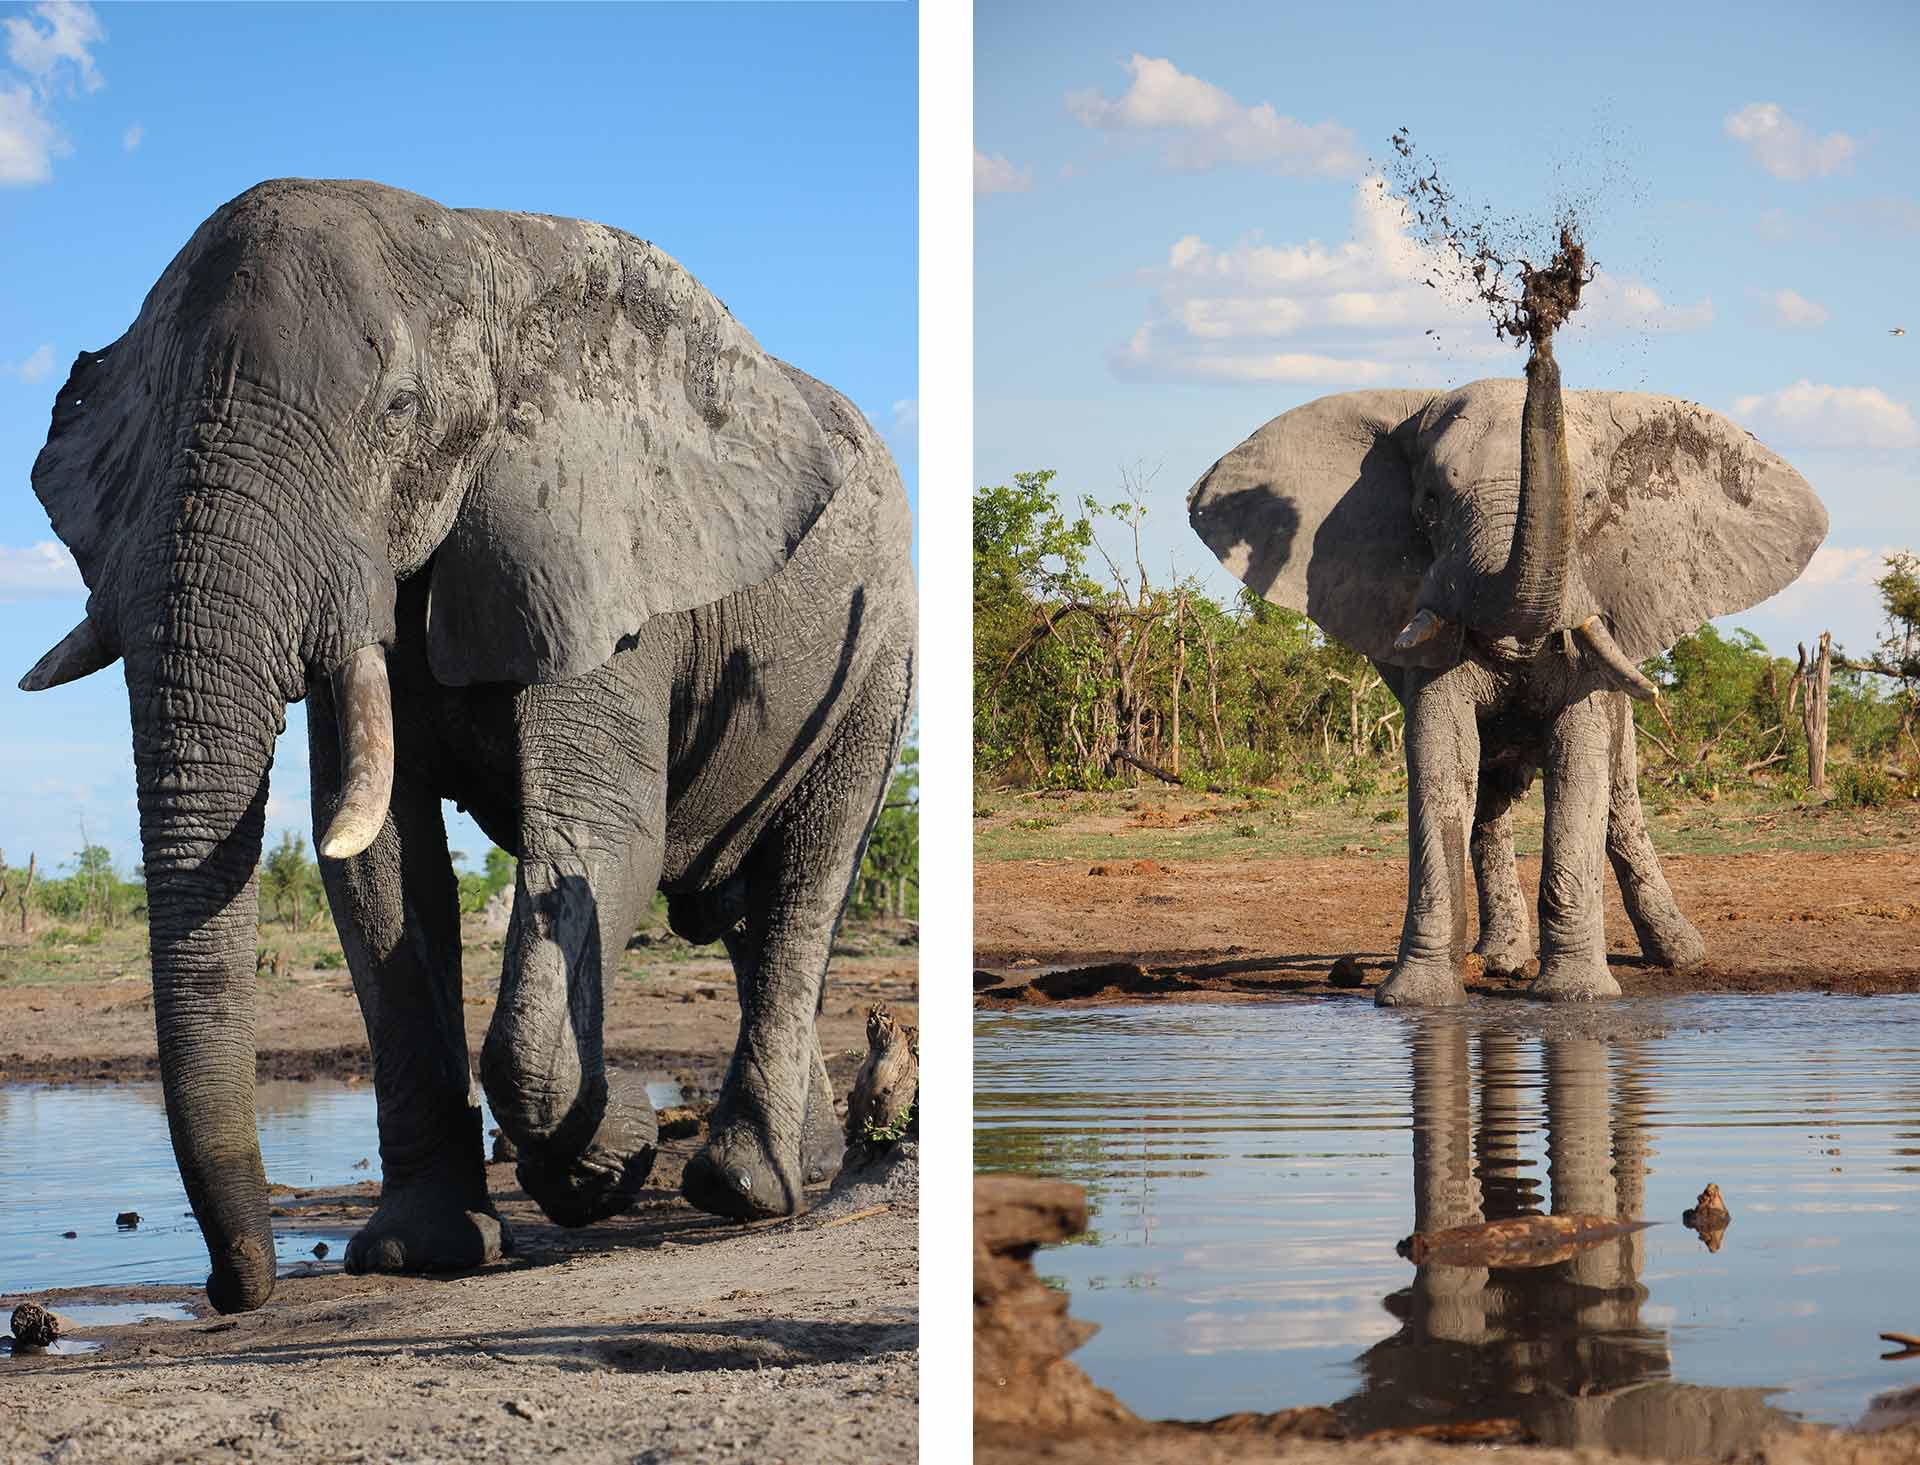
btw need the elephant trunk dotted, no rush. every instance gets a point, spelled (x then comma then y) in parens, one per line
(203, 744)
(1529, 597)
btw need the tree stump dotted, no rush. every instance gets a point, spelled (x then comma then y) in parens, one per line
(886, 1090)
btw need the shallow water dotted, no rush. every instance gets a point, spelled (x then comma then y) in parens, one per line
(1250, 1168)
(73, 1157)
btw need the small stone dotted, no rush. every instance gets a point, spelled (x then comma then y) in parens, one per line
(33, 1326)
(70, 1235)
(523, 1409)
(1347, 973)
(127, 1220)
(320, 1250)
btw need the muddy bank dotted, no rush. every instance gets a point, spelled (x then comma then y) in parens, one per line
(1060, 930)
(1032, 1403)
(660, 1334)
(679, 1019)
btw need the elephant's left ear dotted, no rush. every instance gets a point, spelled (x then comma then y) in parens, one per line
(653, 459)
(1684, 515)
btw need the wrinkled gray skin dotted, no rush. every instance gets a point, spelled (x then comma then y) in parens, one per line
(1515, 552)
(646, 610)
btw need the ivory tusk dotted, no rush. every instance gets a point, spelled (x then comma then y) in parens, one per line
(1623, 673)
(363, 710)
(81, 652)
(1424, 626)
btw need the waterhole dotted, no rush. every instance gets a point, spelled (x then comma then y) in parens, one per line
(77, 1157)
(1251, 1167)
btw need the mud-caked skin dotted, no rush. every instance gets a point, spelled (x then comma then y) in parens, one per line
(1505, 554)
(535, 526)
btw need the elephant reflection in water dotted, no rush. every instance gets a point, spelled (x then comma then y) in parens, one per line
(1562, 1348)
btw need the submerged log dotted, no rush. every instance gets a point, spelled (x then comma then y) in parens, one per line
(1521, 1241)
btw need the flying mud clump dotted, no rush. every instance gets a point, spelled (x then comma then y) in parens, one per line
(1527, 303)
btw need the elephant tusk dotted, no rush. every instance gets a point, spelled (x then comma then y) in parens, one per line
(1424, 626)
(81, 652)
(363, 708)
(1621, 672)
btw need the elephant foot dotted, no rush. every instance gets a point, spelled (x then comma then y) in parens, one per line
(1574, 979)
(1506, 955)
(1422, 984)
(735, 1176)
(421, 1228)
(822, 1141)
(606, 1177)
(1675, 944)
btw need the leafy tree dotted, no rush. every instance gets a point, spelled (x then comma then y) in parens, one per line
(889, 880)
(292, 882)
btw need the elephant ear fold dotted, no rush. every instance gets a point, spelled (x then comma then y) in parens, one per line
(1315, 512)
(1684, 516)
(653, 459)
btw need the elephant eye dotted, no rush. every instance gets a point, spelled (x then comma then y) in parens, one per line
(402, 402)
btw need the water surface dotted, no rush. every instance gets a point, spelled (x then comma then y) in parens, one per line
(73, 1157)
(1250, 1168)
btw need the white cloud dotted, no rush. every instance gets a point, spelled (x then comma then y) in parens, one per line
(1205, 127)
(41, 569)
(38, 364)
(71, 27)
(1835, 592)
(1812, 414)
(50, 45)
(1378, 307)
(1791, 309)
(130, 139)
(997, 175)
(28, 140)
(1783, 147)
(1622, 303)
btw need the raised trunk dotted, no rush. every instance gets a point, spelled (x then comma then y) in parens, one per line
(1528, 598)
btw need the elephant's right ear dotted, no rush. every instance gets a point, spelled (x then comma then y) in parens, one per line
(654, 458)
(1315, 512)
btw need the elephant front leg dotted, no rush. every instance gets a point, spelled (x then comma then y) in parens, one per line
(1443, 757)
(397, 908)
(774, 1129)
(1573, 938)
(1506, 937)
(1667, 937)
(592, 826)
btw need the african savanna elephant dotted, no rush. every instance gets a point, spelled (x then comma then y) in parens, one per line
(536, 526)
(1517, 551)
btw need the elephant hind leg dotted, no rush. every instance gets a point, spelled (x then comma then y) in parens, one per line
(1505, 945)
(1666, 936)
(774, 1130)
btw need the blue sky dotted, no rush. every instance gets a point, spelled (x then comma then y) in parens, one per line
(771, 149)
(1174, 240)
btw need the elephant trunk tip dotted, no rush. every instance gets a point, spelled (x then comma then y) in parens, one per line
(363, 707)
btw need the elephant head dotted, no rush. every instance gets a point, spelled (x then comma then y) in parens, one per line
(1403, 522)
(336, 386)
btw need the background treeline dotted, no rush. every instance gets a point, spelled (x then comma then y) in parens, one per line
(85, 891)
(1088, 673)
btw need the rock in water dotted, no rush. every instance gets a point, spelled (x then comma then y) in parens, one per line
(34, 1326)
(1522, 1241)
(127, 1220)
(320, 1250)
(1348, 973)
(1708, 1219)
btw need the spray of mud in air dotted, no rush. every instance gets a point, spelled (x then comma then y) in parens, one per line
(1492, 256)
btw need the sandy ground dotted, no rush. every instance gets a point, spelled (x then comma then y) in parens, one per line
(1205, 929)
(661, 1334)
